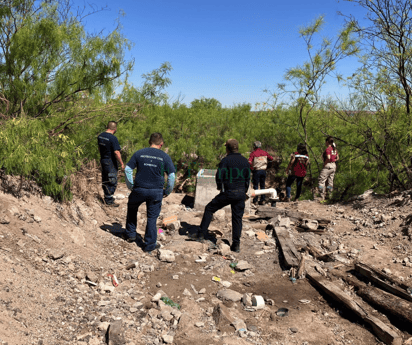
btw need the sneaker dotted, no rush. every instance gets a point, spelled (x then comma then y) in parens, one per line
(112, 205)
(158, 246)
(235, 248)
(262, 202)
(286, 200)
(131, 239)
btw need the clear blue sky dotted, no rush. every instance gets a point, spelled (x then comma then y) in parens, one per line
(226, 49)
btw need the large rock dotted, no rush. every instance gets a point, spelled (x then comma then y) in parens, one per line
(175, 226)
(223, 319)
(243, 265)
(229, 295)
(223, 249)
(166, 255)
(284, 222)
(4, 219)
(115, 334)
(219, 215)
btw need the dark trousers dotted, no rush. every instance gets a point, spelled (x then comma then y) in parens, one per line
(109, 180)
(258, 179)
(299, 183)
(236, 200)
(153, 199)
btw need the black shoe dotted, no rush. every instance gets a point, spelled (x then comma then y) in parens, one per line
(112, 205)
(235, 247)
(262, 202)
(197, 236)
(158, 246)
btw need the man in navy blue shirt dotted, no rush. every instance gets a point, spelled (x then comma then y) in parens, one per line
(151, 164)
(232, 179)
(109, 149)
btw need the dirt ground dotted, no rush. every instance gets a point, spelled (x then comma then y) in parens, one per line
(56, 258)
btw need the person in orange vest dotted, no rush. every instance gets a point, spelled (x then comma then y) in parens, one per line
(258, 161)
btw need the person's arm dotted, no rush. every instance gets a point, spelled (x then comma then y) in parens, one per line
(270, 158)
(119, 158)
(250, 160)
(129, 177)
(170, 184)
(221, 170)
(292, 159)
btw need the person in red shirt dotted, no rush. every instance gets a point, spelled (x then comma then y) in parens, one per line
(296, 170)
(330, 157)
(258, 161)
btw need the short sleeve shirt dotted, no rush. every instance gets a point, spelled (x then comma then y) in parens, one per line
(332, 152)
(151, 164)
(299, 165)
(108, 143)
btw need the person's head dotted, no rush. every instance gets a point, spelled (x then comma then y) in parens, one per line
(257, 144)
(330, 142)
(112, 126)
(156, 139)
(302, 149)
(232, 146)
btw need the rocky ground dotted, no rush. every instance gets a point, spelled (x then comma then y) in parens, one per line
(58, 262)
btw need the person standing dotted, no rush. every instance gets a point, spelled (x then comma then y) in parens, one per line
(151, 164)
(232, 179)
(109, 149)
(258, 161)
(330, 157)
(296, 170)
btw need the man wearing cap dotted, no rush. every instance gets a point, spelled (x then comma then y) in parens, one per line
(232, 179)
(258, 161)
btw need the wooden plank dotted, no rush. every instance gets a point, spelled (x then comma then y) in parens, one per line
(291, 255)
(378, 278)
(384, 332)
(271, 212)
(392, 305)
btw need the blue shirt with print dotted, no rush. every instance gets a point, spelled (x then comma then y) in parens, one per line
(108, 143)
(151, 164)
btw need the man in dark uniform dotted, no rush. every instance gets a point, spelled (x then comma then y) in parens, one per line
(232, 179)
(151, 164)
(109, 149)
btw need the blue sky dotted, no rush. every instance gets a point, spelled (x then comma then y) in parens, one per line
(229, 50)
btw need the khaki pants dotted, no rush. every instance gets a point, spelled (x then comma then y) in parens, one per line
(327, 174)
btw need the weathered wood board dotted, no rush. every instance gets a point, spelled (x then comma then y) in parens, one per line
(384, 332)
(291, 255)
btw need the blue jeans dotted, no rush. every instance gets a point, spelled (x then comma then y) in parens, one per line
(109, 180)
(236, 200)
(258, 179)
(299, 183)
(153, 199)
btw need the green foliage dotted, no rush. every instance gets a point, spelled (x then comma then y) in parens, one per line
(46, 57)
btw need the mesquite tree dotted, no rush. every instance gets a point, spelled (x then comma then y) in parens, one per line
(47, 57)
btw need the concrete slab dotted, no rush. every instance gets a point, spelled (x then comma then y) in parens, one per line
(206, 190)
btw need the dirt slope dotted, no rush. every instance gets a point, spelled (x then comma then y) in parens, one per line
(51, 254)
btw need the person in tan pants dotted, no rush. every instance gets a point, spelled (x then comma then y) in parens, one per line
(330, 157)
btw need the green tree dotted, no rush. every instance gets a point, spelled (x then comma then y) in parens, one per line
(304, 83)
(206, 103)
(387, 44)
(47, 57)
(155, 82)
